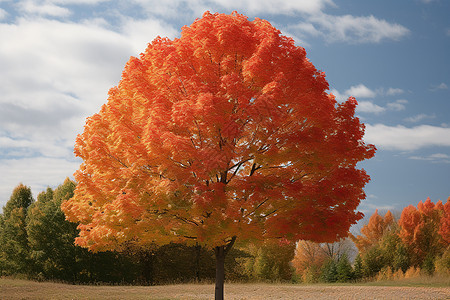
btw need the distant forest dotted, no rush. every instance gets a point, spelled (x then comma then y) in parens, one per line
(36, 242)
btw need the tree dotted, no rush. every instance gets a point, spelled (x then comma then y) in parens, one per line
(51, 244)
(421, 230)
(372, 232)
(51, 237)
(358, 268)
(308, 260)
(344, 269)
(14, 246)
(444, 229)
(225, 132)
(269, 261)
(329, 271)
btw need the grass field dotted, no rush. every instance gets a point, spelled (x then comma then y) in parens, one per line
(23, 289)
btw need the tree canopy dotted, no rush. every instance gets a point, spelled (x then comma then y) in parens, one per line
(226, 131)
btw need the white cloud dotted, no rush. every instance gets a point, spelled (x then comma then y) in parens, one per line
(276, 6)
(36, 172)
(354, 29)
(346, 28)
(3, 14)
(43, 8)
(435, 158)
(360, 91)
(441, 86)
(66, 2)
(420, 117)
(394, 91)
(357, 91)
(256, 7)
(407, 139)
(397, 105)
(54, 74)
(370, 204)
(369, 107)
(142, 32)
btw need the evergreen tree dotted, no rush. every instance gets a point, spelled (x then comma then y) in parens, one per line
(329, 271)
(344, 269)
(358, 271)
(401, 259)
(372, 261)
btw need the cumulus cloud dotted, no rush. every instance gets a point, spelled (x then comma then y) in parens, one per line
(54, 74)
(407, 138)
(369, 107)
(357, 91)
(361, 91)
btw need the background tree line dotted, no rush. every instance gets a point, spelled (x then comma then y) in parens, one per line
(37, 242)
(386, 248)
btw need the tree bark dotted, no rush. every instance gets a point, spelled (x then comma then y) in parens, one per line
(197, 262)
(221, 252)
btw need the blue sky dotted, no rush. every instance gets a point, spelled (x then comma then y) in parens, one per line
(58, 59)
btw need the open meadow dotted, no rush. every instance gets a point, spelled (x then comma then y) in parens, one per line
(23, 289)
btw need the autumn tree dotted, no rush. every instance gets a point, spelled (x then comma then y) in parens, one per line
(14, 248)
(444, 228)
(373, 231)
(308, 260)
(226, 132)
(421, 231)
(269, 261)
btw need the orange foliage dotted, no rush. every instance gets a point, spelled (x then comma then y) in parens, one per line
(227, 131)
(423, 229)
(444, 229)
(372, 233)
(308, 255)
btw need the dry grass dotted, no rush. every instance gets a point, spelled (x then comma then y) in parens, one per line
(23, 289)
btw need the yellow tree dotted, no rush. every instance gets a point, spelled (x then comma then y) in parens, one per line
(226, 132)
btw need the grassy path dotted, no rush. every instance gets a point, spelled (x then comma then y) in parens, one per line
(22, 289)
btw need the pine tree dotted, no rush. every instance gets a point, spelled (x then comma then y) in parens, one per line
(344, 269)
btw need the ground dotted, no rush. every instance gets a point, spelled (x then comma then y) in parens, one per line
(21, 289)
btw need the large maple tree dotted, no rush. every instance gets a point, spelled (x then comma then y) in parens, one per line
(225, 132)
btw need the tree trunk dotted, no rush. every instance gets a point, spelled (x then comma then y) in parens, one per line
(197, 262)
(148, 263)
(221, 252)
